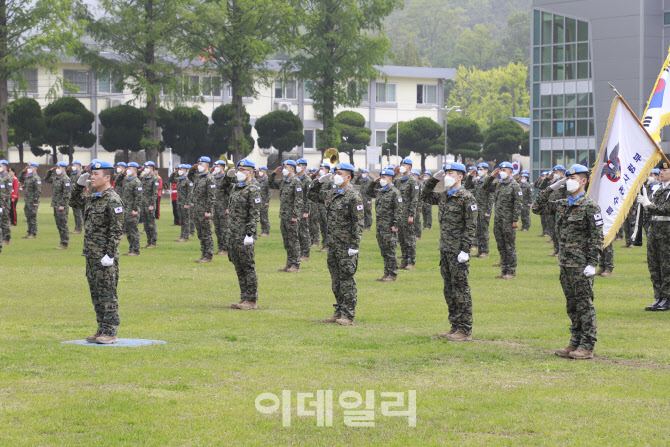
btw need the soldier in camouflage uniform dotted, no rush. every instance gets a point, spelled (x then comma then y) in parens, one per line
(628, 227)
(580, 234)
(131, 194)
(606, 261)
(527, 189)
(6, 186)
(345, 211)
(184, 199)
(426, 208)
(266, 196)
(78, 213)
(103, 226)
(204, 193)
(508, 203)
(32, 185)
(323, 214)
(653, 183)
(560, 193)
(458, 225)
(150, 185)
(314, 227)
(120, 176)
(658, 241)
(543, 219)
(417, 214)
(474, 183)
(244, 211)
(303, 223)
(221, 198)
(363, 181)
(60, 201)
(409, 189)
(387, 207)
(291, 208)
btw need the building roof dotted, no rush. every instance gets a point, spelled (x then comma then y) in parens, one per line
(524, 121)
(398, 71)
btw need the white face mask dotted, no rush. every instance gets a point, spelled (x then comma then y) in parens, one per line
(322, 172)
(449, 182)
(119, 169)
(180, 172)
(402, 169)
(338, 179)
(365, 175)
(481, 173)
(523, 180)
(261, 174)
(556, 176)
(651, 180)
(300, 169)
(146, 171)
(59, 171)
(217, 170)
(29, 171)
(201, 168)
(284, 172)
(503, 175)
(572, 185)
(383, 183)
(75, 169)
(241, 176)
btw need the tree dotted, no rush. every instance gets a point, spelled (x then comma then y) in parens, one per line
(463, 133)
(27, 123)
(502, 139)
(68, 125)
(32, 33)
(421, 135)
(142, 33)
(353, 133)
(237, 36)
(338, 44)
(281, 130)
(409, 56)
(516, 45)
(185, 131)
(123, 126)
(476, 47)
(221, 131)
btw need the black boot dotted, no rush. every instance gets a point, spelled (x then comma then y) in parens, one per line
(653, 306)
(663, 305)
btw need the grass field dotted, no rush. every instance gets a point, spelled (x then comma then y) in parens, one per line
(199, 389)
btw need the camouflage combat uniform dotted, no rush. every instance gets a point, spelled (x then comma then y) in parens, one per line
(244, 211)
(103, 226)
(118, 182)
(606, 258)
(387, 209)
(508, 204)
(61, 197)
(409, 190)
(32, 185)
(204, 192)
(527, 189)
(484, 199)
(323, 212)
(580, 235)
(6, 204)
(184, 198)
(303, 224)
(629, 224)
(266, 196)
(345, 211)
(367, 200)
(149, 195)
(314, 226)
(77, 212)
(658, 242)
(427, 212)
(417, 214)
(290, 207)
(132, 201)
(221, 219)
(457, 215)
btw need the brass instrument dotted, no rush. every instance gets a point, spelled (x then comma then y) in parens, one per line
(229, 164)
(331, 156)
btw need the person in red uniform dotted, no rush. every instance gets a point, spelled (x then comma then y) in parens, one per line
(158, 199)
(14, 196)
(175, 211)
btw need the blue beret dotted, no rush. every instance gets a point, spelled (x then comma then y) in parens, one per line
(367, 171)
(150, 163)
(76, 162)
(325, 165)
(290, 163)
(483, 165)
(121, 163)
(33, 164)
(525, 174)
(559, 168)
(204, 159)
(453, 166)
(416, 172)
(427, 173)
(311, 169)
(302, 161)
(345, 167)
(245, 163)
(506, 164)
(62, 163)
(391, 167)
(95, 160)
(132, 164)
(472, 168)
(656, 171)
(406, 161)
(577, 169)
(183, 166)
(189, 166)
(5, 162)
(219, 162)
(102, 165)
(387, 172)
(264, 168)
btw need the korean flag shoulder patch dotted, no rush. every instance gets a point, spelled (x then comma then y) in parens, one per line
(416, 186)
(212, 186)
(156, 183)
(298, 189)
(139, 188)
(598, 218)
(399, 199)
(359, 207)
(118, 210)
(520, 193)
(39, 183)
(257, 200)
(67, 184)
(190, 184)
(473, 207)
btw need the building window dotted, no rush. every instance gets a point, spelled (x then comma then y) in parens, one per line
(666, 18)
(78, 80)
(308, 87)
(309, 139)
(380, 137)
(109, 84)
(211, 86)
(426, 94)
(386, 93)
(285, 89)
(30, 79)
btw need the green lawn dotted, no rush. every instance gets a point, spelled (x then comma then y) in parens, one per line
(199, 389)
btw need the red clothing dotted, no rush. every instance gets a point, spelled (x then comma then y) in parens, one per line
(15, 188)
(173, 191)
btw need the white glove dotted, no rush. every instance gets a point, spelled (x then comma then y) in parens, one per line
(248, 240)
(106, 261)
(231, 172)
(439, 175)
(463, 257)
(554, 186)
(324, 178)
(352, 252)
(83, 179)
(643, 199)
(589, 271)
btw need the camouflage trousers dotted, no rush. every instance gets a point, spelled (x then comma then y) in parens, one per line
(6, 223)
(525, 217)
(628, 227)
(367, 213)
(102, 282)
(550, 222)
(289, 232)
(31, 216)
(606, 258)
(407, 242)
(482, 233)
(658, 247)
(242, 257)
(191, 228)
(305, 239)
(342, 268)
(543, 222)
(131, 229)
(388, 243)
(555, 235)
(506, 241)
(314, 223)
(323, 224)
(265, 219)
(578, 290)
(221, 223)
(149, 219)
(457, 291)
(427, 213)
(78, 218)
(61, 223)
(204, 227)
(417, 223)
(185, 221)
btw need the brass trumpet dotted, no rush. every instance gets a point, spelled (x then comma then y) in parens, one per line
(331, 156)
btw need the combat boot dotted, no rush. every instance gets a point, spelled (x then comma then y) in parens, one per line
(565, 352)
(459, 336)
(248, 305)
(476, 255)
(264, 234)
(27, 236)
(332, 319)
(550, 241)
(446, 334)
(304, 259)
(150, 246)
(496, 264)
(663, 305)
(92, 338)
(410, 267)
(106, 339)
(600, 272)
(390, 278)
(509, 276)
(204, 260)
(293, 270)
(483, 255)
(236, 305)
(382, 278)
(61, 247)
(181, 239)
(606, 274)
(283, 269)
(198, 260)
(654, 305)
(581, 354)
(402, 266)
(344, 321)
(499, 276)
